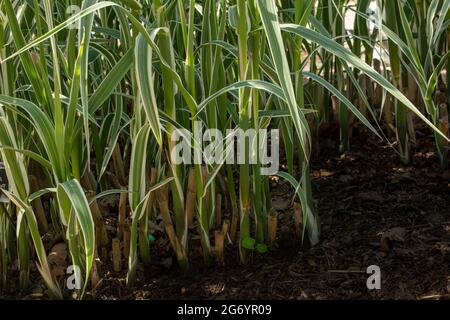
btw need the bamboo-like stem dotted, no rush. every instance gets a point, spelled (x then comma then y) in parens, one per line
(119, 167)
(191, 84)
(400, 110)
(218, 210)
(411, 95)
(163, 202)
(151, 199)
(95, 272)
(272, 227)
(116, 255)
(219, 239)
(4, 225)
(169, 89)
(23, 257)
(340, 81)
(233, 202)
(38, 208)
(298, 219)
(260, 210)
(100, 230)
(191, 198)
(122, 214)
(441, 103)
(244, 124)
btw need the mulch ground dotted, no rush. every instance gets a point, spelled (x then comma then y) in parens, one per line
(373, 211)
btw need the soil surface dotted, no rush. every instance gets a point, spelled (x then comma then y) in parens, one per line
(373, 211)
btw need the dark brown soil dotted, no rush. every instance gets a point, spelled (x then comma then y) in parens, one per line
(373, 211)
